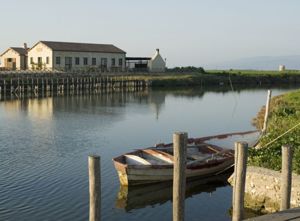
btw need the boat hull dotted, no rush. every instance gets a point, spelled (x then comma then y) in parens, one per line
(148, 175)
(206, 156)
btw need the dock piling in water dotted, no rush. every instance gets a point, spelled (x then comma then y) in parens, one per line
(95, 188)
(241, 152)
(27, 85)
(179, 177)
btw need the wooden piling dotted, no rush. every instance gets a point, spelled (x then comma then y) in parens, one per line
(286, 177)
(94, 188)
(4, 88)
(179, 177)
(241, 149)
(264, 130)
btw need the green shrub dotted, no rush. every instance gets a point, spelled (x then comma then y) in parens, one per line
(284, 115)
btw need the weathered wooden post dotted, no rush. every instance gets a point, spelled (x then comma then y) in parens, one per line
(264, 130)
(286, 177)
(179, 177)
(241, 149)
(4, 88)
(11, 86)
(95, 188)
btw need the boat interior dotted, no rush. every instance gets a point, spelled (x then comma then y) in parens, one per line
(164, 155)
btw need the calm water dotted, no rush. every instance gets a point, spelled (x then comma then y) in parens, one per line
(45, 143)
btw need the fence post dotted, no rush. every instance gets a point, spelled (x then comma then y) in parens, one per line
(286, 177)
(94, 188)
(241, 149)
(179, 177)
(264, 130)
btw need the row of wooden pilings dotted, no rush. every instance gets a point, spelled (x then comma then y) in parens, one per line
(35, 85)
(179, 179)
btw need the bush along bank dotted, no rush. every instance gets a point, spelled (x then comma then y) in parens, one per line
(284, 115)
(225, 78)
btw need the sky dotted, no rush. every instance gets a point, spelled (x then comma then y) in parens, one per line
(202, 33)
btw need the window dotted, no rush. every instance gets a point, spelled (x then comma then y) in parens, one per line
(104, 62)
(94, 61)
(77, 61)
(9, 59)
(113, 62)
(47, 60)
(31, 60)
(68, 63)
(85, 61)
(57, 60)
(40, 60)
(120, 62)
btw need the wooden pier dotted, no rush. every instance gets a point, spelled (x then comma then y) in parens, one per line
(33, 85)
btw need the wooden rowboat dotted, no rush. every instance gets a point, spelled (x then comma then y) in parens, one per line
(155, 164)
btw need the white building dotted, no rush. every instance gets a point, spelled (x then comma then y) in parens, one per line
(75, 56)
(145, 64)
(281, 67)
(14, 58)
(157, 63)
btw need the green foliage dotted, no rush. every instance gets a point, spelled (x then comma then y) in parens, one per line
(285, 114)
(188, 69)
(255, 72)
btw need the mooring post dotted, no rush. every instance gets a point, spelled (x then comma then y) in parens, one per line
(286, 177)
(241, 149)
(95, 188)
(264, 130)
(179, 177)
(4, 88)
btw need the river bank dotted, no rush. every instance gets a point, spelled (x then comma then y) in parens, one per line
(284, 115)
(178, 79)
(263, 183)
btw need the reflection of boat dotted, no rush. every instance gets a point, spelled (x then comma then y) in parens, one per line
(135, 197)
(155, 164)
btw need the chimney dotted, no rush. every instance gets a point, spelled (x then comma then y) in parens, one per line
(157, 50)
(25, 46)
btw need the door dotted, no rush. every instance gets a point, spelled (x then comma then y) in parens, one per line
(68, 63)
(103, 64)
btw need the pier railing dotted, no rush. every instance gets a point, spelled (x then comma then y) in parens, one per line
(34, 84)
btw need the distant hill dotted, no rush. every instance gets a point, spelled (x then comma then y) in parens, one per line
(261, 63)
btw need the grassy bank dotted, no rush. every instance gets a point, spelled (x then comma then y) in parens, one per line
(219, 77)
(178, 77)
(255, 72)
(284, 114)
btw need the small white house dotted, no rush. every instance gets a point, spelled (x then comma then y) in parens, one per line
(157, 63)
(14, 58)
(281, 67)
(75, 56)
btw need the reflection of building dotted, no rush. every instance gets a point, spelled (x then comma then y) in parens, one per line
(36, 108)
(40, 108)
(157, 101)
(153, 64)
(14, 58)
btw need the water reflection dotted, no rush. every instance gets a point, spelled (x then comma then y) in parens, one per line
(45, 142)
(136, 197)
(42, 106)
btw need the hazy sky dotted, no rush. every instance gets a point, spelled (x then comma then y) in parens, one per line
(191, 32)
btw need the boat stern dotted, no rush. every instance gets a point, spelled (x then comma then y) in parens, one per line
(120, 167)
